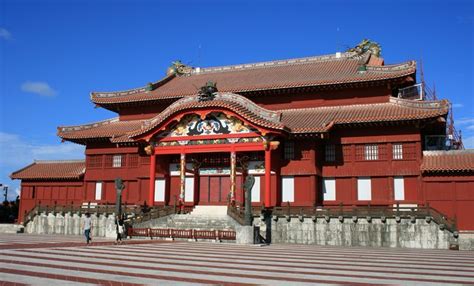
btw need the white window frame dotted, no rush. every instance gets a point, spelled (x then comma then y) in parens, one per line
(329, 189)
(160, 187)
(371, 152)
(399, 188)
(255, 198)
(364, 189)
(117, 161)
(397, 151)
(98, 190)
(287, 189)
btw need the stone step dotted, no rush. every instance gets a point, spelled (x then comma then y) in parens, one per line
(209, 211)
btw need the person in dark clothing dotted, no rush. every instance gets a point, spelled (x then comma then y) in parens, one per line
(119, 229)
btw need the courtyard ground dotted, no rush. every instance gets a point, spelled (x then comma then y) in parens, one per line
(61, 260)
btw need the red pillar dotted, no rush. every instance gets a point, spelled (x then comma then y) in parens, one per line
(268, 177)
(151, 194)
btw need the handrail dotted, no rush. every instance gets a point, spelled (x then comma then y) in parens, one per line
(348, 211)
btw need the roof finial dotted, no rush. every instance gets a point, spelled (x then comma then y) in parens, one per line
(206, 92)
(367, 45)
(178, 68)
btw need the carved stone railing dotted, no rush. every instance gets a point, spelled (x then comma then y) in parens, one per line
(383, 212)
(237, 212)
(136, 213)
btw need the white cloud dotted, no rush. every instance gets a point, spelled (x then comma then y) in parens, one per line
(464, 120)
(458, 105)
(38, 87)
(470, 127)
(5, 34)
(16, 153)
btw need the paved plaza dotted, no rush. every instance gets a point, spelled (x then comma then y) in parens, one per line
(60, 260)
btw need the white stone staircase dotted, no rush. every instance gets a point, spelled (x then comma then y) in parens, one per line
(209, 211)
(201, 218)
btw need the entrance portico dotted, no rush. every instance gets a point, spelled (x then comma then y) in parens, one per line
(231, 125)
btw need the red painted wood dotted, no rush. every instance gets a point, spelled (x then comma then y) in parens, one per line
(151, 188)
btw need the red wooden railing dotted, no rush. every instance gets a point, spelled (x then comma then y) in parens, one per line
(181, 233)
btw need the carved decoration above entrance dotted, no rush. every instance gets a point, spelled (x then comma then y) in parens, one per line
(213, 124)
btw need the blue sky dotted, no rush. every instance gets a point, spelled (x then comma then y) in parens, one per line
(54, 53)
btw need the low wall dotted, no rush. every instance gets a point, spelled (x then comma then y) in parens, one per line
(10, 228)
(360, 232)
(71, 224)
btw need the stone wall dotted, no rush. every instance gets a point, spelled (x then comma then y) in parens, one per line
(10, 228)
(71, 224)
(360, 232)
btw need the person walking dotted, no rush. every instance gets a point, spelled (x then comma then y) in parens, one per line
(119, 229)
(87, 227)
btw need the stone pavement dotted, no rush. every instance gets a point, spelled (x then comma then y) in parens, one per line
(59, 260)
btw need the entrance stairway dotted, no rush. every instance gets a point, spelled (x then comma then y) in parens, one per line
(201, 218)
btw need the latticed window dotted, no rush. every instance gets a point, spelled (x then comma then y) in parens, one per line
(371, 152)
(94, 161)
(289, 150)
(330, 153)
(117, 161)
(397, 151)
(347, 155)
(133, 160)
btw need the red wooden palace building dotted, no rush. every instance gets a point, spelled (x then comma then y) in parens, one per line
(314, 131)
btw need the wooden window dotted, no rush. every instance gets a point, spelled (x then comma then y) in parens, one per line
(117, 161)
(364, 189)
(160, 185)
(94, 161)
(256, 190)
(189, 189)
(133, 160)
(409, 151)
(371, 152)
(347, 153)
(98, 191)
(397, 151)
(399, 187)
(289, 150)
(329, 189)
(288, 189)
(330, 153)
(33, 192)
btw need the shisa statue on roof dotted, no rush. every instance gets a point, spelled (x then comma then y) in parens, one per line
(367, 45)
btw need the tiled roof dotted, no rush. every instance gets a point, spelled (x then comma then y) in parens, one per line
(236, 103)
(111, 128)
(302, 72)
(448, 161)
(60, 170)
(321, 119)
(305, 120)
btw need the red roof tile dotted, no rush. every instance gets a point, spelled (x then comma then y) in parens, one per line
(110, 128)
(306, 120)
(303, 72)
(321, 119)
(448, 161)
(70, 169)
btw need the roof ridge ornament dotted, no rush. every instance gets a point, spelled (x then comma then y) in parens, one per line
(367, 45)
(207, 91)
(178, 68)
